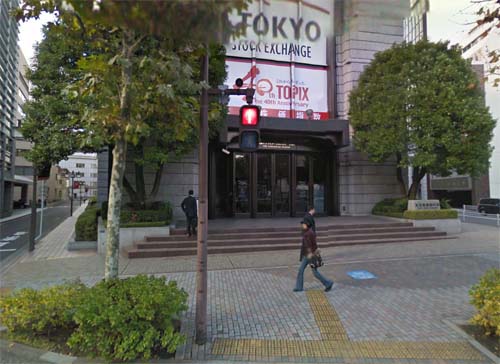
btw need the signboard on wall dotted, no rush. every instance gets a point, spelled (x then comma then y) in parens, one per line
(283, 30)
(281, 90)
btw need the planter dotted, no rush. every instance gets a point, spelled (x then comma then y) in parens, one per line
(128, 236)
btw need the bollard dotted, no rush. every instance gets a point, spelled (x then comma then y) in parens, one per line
(498, 220)
(463, 214)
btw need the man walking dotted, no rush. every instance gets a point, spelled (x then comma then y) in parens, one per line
(190, 209)
(307, 251)
(309, 218)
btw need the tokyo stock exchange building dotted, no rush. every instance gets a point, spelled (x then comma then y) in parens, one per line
(302, 58)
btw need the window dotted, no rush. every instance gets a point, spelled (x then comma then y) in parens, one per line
(93, 175)
(80, 165)
(82, 174)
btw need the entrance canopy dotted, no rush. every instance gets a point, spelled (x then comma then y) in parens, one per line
(337, 130)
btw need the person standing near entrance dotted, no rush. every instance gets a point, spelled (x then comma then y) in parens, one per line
(307, 251)
(309, 218)
(189, 207)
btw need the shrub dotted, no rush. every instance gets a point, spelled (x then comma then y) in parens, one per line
(130, 318)
(430, 214)
(92, 200)
(444, 204)
(391, 207)
(45, 312)
(104, 210)
(485, 296)
(86, 224)
(163, 213)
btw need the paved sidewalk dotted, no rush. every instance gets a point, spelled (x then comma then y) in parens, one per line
(253, 315)
(53, 245)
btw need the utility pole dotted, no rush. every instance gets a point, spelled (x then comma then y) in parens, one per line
(201, 275)
(33, 212)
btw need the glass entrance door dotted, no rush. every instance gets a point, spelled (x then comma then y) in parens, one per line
(242, 180)
(302, 190)
(264, 184)
(282, 178)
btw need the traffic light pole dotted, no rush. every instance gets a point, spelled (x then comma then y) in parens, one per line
(33, 212)
(201, 276)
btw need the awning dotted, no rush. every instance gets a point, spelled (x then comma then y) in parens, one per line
(22, 180)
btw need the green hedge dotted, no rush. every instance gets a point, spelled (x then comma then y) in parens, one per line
(118, 319)
(86, 224)
(430, 214)
(158, 212)
(393, 207)
(485, 296)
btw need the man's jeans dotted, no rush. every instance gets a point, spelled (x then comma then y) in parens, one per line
(299, 285)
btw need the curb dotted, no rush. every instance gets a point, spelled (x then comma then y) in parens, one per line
(34, 355)
(476, 344)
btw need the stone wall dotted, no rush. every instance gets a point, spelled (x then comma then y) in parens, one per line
(366, 27)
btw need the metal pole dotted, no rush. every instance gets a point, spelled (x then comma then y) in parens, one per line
(42, 198)
(498, 219)
(463, 213)
(201, 277)
(33, 213)
(71, 203)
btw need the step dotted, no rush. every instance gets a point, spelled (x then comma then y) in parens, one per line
(289, 233)
(172, 252)
(297, 227)
(296, 241)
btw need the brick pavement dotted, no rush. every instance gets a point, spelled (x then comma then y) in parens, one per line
(400, 312)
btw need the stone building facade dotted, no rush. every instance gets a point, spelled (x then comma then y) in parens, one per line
(305, 156)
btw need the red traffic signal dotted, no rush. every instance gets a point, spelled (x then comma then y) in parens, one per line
(76, 184)
(249, 115)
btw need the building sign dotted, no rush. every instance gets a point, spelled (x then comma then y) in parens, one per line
(281, 30)
(423, 205)
(298, 92)
(461, 183)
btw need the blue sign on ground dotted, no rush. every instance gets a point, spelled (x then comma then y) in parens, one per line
(361, 274)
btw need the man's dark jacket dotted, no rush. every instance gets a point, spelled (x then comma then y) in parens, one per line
(309, 244)
(189, 206)
(309, 220)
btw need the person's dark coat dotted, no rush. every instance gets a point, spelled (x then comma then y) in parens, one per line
(309, 220)
(309, 244)
(188, 205)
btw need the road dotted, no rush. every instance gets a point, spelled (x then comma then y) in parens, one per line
(14, 234)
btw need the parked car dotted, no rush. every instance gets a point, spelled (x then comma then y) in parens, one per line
(489, 206)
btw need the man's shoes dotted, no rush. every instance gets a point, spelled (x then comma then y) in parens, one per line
(297, 290)
(329, 288)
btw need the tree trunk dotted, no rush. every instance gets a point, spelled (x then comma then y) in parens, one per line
(140, 187)
(119, 159)
(114, 208)
(418, 174)
(157, 182)
(399, 174)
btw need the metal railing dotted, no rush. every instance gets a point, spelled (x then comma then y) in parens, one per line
(471, 212)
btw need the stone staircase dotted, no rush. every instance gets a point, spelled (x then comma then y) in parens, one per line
(225, 241)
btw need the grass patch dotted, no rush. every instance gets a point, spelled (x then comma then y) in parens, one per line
(491, 342)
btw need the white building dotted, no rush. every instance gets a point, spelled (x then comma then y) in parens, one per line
(84, 166)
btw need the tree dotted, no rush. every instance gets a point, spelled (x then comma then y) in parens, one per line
(489, 13)
(422, 104)
(110, 83)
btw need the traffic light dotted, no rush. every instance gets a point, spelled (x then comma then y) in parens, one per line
(249, 133)
(249, 115)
